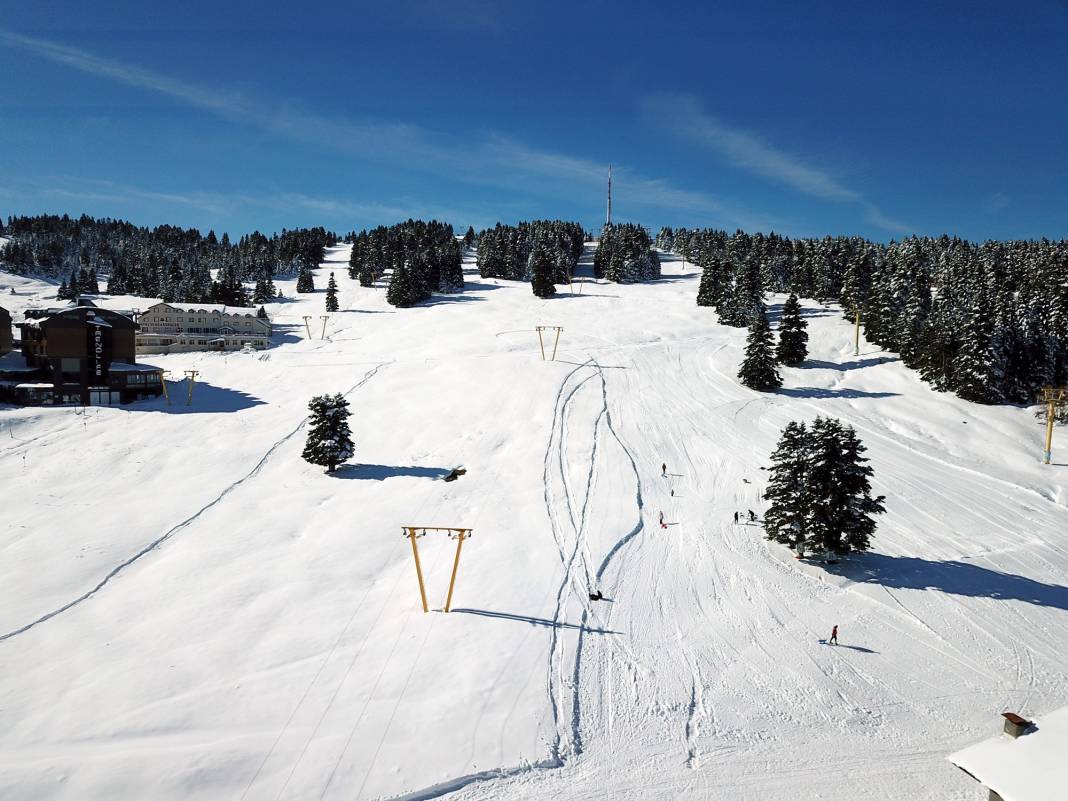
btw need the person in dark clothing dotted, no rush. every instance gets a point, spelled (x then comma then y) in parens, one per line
(596, 596)
(752, 516)
(735, 518)
(834, 636)
(663, 469)
(672, 492)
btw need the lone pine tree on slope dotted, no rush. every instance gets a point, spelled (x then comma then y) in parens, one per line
(758, 369)
(819, 491)
(329, 437)
(793, 338)
(331, 294)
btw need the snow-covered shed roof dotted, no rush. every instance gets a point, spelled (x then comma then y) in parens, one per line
(1031, 767)
(193, 308)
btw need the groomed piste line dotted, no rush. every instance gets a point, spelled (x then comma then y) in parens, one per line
(557, 758)
(119, 568)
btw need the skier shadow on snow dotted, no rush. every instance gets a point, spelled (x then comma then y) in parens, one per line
(956, 578)
(380, 472)
(821, 392)
(858, 364)
(860, 648)
(537, 621)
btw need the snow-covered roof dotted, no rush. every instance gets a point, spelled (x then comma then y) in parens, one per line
(1031, 767)
(192, 308)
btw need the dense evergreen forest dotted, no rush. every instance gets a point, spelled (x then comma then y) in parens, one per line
(625, 254)
(421, 258)
(176, 264)
(987, 321)
(511, 251)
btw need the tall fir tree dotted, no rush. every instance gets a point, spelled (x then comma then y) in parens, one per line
(787, 492)
(329, 437)
(819, 490)
(305, 280)
(401, 292)
(708, 292)
(331, 294)
(793, 338)
(758, 369)
(542, 269)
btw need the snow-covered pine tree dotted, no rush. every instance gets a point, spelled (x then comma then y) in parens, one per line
(787, 492)
(839, 516)
(400, 292)
(305, 280)
(758, 369)
(541, 270)
(793, 338)
(331, 294)
(708, 292)
(856, 524)
(329, 437)
(260, 294)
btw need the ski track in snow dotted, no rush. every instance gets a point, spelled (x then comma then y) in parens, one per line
(702, 675)
(122, 566)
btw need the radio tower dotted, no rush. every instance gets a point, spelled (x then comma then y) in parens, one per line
(609, 222)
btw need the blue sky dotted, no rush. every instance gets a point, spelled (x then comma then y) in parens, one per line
(805, 118)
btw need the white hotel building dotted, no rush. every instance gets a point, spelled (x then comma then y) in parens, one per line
(178, 327)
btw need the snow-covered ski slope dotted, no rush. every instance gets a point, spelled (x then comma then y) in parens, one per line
(190, 611)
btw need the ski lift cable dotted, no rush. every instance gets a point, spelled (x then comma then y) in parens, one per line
(314, 679)
(396, 706)
(344, 679)
(367, 701)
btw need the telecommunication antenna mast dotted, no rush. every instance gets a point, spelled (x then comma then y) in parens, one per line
(609, 221)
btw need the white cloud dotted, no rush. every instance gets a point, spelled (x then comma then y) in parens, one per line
(684, 114)
(491, 159)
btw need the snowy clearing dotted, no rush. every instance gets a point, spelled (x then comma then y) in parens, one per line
(190, 611)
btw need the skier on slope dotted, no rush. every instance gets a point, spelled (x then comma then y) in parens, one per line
(752, 516)
(663, 469)
(662, 523)
(735, 518)
(834, 635)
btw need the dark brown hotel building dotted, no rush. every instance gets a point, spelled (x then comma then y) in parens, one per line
(79, 355)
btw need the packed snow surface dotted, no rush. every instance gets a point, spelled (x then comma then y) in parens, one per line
(190, 611)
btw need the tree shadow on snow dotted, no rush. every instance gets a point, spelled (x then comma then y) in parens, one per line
(380, 472)
(535, 621)
(956, 578)
(857, 364)
(821, 392)
(446, 299)
(774, 312)
(287, 333)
